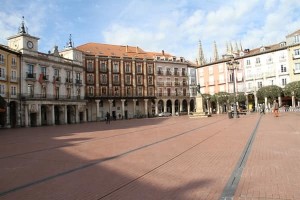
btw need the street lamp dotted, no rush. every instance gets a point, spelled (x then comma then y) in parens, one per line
(232, 65)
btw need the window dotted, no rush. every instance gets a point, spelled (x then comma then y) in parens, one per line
(248, 62)
(68, 93)
(91, 91)
(56, 72)
(90, 65)
(116, 67)
(271, 82)
(259, 84)
(183, 72)
(103, 79)
(13, 61)
(57, 92)
(150, 80)
(103, 91)
(30, 90)
(43, 91)
(116, 91)
(140, 91)
(283, 81)
(257, 60)
(30, 68)
(127, 68)
(103, 67)
(297, 67)
(139, 68)
(151, 91)
(2, 73)
(176, 82)
(13, 75)
(168, 71)
(43, 71)
(128, 91)
(231, 77)
(283, 68)
(139, 80)
(176, 71)
(160, 71)
(150, 69)
(116, 79)
(13, 90)
(2, 89)
(1, 58)
(184, 83)
(297, 52)
(221, 68)
(90, 79)
(128, 79)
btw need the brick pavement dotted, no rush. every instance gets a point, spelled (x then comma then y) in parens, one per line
(161, 158)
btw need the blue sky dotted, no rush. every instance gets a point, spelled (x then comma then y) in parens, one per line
(175, 26)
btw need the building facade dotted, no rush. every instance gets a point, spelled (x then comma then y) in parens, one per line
(9, 84)
(51, 86)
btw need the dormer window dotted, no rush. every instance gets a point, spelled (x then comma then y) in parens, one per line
(262, 49)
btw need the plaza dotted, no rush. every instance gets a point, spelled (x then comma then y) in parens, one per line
(251, 157)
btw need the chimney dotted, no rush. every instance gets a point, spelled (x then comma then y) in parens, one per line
(163, 52)
(137, 49)
(126, 48)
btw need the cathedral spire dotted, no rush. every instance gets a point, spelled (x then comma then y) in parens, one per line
(22, 28)
(201, 59)
(216, 55)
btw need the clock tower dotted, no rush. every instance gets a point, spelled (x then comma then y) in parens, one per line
(23, 41)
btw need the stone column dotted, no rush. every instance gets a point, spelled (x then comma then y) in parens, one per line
(173, 107)
(255, 101)
(188, 108)
(156, 106)
(146, 106)
(52, 115)
(39, 114)
(26, 122)
(66, 114)
(8, 115)
(84, 114)
(279, 101)
(123, 107)
(134, 106)
(293, 101)
(165, 106)
(110, 106)
(97, 110)
(77, 120)
(247, 102)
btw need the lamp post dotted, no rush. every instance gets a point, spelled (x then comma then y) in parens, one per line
(232, 65)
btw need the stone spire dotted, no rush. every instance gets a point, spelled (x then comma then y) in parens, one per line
(201, 59)
(231, 48)
(237, 50)
(216, 55)
(70, 43)
(22, 28)
(241, 48)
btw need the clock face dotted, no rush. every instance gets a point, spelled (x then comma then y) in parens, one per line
(29, 44)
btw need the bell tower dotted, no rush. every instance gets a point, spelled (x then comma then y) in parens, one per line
(23, 41)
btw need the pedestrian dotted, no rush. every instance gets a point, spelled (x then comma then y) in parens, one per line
(262, 108)
(275, 108)
(107, 118)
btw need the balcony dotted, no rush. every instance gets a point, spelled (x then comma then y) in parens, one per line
(78, 82)
(160, 83)
(160, 73)
(56, 79)
(296, 56)
(90, 69)
(103, 70)
(90, 82)
(3, 77)
(69, 80)
(30, 75)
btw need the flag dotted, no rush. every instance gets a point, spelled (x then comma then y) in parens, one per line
(41, 78)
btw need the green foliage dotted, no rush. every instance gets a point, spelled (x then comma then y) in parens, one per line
(241, 98)
(293, 88)
(222, 97)
(271, 92)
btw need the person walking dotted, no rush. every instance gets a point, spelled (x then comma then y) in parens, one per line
(107, 118)
(262, 111)
(275, 108)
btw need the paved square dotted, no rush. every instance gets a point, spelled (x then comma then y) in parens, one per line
(157, 158)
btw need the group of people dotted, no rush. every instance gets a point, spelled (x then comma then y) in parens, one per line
(275, 108)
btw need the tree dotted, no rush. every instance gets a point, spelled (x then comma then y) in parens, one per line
(292, 89)
(222, 97)
(272, 92)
